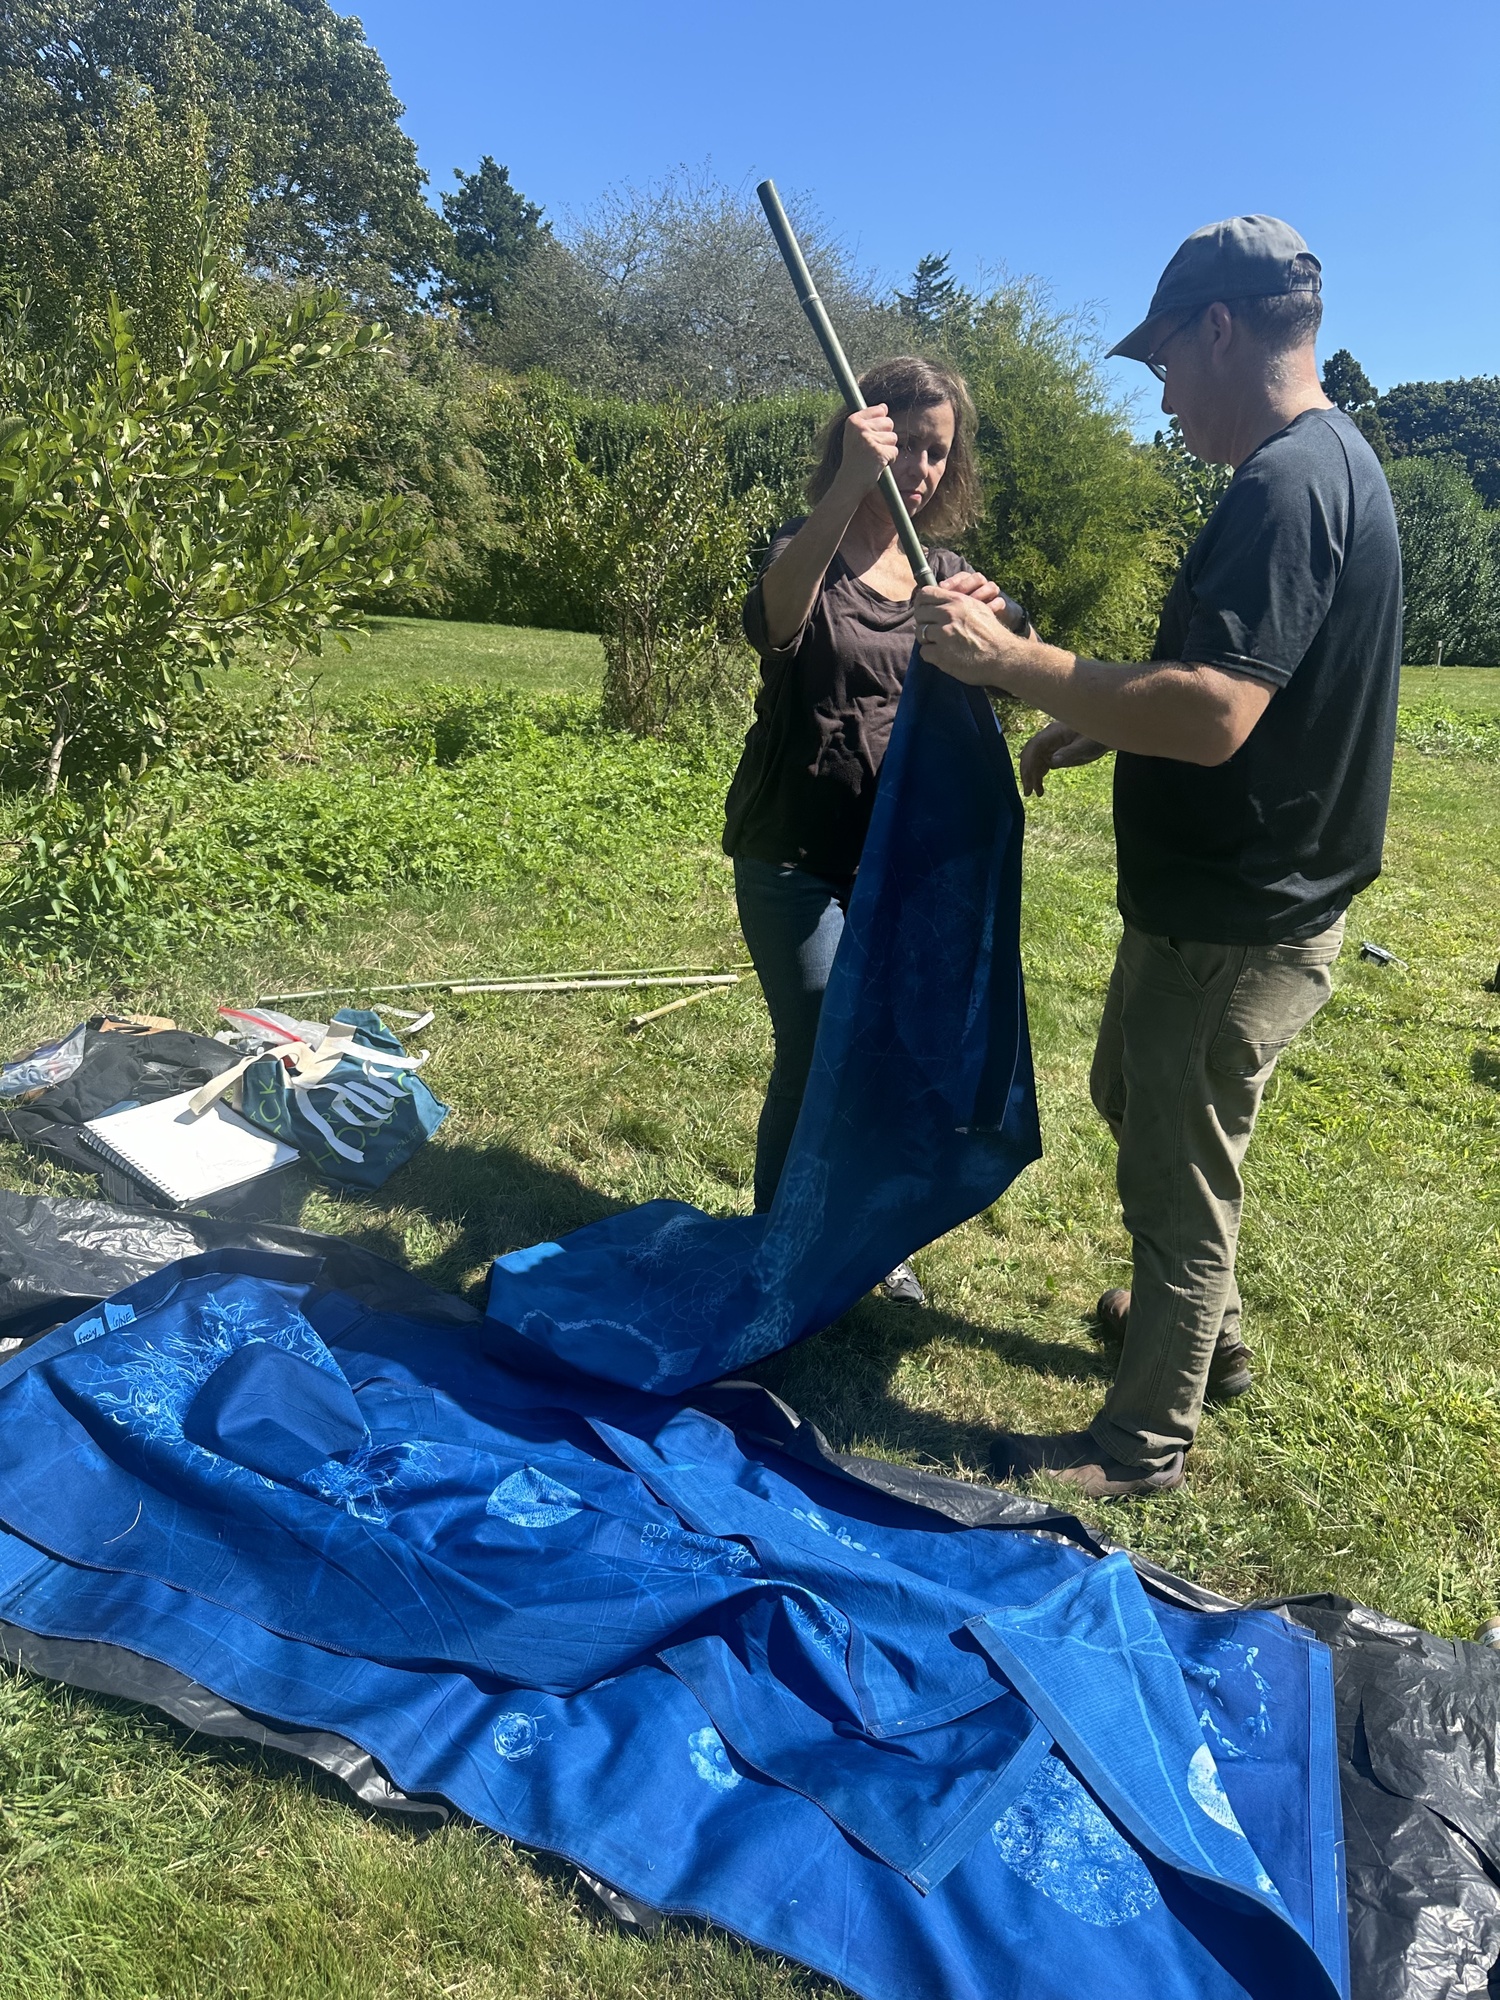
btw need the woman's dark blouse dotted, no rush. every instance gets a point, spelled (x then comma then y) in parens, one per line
(806, 781)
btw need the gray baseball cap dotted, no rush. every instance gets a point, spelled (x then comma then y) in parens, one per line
(1249, 256)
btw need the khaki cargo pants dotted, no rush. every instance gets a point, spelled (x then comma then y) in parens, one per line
(1189, 1039)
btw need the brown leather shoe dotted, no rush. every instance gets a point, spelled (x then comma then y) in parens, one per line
(1111, 1313)
(1075, 1458)
(1228, 1373)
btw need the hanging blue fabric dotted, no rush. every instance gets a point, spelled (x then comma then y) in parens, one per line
(926, 1760)
(919, 1112)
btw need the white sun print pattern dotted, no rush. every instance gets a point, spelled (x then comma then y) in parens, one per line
(711, 1760)
(1207, 1790)
(516, 1734)
(680, 1548)
(821, 1624)
(1059, 1842)
(810, 1519)
(530, 1499)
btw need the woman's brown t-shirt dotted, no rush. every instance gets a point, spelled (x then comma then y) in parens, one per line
(805, 787)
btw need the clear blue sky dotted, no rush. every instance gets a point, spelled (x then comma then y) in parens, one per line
(1077, 140)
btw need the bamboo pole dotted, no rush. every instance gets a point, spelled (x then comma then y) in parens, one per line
(594, 985)
(843, 374)
(638, 1021)
(523, 982)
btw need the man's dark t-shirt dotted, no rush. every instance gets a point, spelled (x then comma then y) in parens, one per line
(1295, 580)
(805, 787)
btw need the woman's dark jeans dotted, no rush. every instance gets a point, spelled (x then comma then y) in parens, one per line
(792, 922)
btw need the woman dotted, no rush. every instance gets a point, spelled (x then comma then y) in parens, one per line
(831, 620)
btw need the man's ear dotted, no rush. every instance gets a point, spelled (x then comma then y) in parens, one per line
(1219, 322)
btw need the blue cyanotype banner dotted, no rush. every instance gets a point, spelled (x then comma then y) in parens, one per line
(920, 1109)
(961, 1763)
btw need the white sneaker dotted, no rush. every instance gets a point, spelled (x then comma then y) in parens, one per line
(902, 1287)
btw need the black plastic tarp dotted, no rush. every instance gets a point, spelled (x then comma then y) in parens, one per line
(135, 1066)
(1418, 1716)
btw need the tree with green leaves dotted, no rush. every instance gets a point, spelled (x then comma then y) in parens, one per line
(1450, 556)
(493, 230)
(1349, 388)
(121, 217)
(677, 290)
(1079, 521)
(1458, 420)
(299, 116)
(153, 520)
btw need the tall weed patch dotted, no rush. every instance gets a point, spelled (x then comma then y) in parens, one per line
(1437, 729)
(460, 790)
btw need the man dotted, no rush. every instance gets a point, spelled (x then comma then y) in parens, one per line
(1252, 777)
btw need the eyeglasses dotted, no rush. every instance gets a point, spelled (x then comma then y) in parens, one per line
(1159, 368)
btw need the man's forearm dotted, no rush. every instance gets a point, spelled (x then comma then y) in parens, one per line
(1164, 708)
(1161, 708)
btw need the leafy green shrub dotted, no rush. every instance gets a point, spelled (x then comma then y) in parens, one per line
(766, 446)
(89, 871)
(769, 446)
(150, 522)
(408, 420)
(1450, 554)
(238, 729)
(661, 548)
(1079, 521)
(449, 725)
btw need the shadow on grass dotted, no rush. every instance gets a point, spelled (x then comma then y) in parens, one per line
(1484, 1067)
(499, 1198)
(842, 1379)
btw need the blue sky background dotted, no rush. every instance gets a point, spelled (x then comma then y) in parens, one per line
(1075, 140)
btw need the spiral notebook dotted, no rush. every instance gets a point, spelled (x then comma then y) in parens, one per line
(182, 1158)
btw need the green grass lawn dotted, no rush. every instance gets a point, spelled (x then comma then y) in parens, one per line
(395, 652)
(1367, 1461)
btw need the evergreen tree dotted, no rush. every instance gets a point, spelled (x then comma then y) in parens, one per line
(494, 230)
(935, 295)
(1346, 385)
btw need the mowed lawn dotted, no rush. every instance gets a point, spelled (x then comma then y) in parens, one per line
(135, 1861)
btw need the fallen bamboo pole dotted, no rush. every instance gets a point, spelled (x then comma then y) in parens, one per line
(523, 982)
(638, 1021)
(709, 979)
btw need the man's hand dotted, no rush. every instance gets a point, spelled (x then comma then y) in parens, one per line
(961, 634)
(1055, 747)
(972, 584)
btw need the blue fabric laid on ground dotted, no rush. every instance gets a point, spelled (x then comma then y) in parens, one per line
(919, 1112)
(934, 1762)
